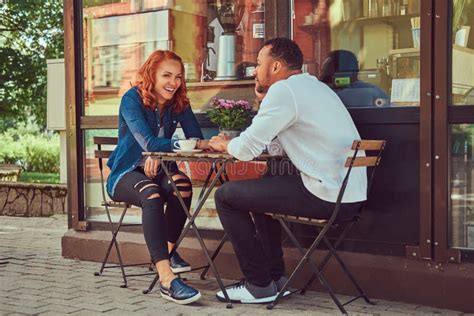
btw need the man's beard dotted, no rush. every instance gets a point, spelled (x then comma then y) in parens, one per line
(259, 88)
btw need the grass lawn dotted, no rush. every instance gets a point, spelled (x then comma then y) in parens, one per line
(38, 177)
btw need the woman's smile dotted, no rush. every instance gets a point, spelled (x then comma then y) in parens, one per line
(168, 80)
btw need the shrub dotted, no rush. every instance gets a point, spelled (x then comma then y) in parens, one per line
(30, 149)
(11, 151)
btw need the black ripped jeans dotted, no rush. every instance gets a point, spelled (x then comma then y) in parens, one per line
(159, 226)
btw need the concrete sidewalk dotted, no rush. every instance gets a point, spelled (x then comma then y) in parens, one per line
(35, 279)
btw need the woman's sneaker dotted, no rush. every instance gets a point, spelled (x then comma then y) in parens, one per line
(246, 293)
(178, 265)
(179, 292)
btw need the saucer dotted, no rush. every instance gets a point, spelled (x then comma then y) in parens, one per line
(187, 151)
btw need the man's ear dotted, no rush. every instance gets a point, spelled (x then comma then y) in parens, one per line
(276, 66)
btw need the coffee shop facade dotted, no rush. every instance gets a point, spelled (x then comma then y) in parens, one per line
(416, 240)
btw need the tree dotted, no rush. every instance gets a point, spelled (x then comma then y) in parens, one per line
(31, 31)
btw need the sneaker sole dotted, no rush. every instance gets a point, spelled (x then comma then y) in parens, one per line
(182, 302)
(287, 292)
(181, 270)
(264, 300)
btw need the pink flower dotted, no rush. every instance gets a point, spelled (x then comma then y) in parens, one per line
(224, 104)
(244, 105)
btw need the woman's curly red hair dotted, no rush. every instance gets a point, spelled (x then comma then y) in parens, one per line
(147, 79)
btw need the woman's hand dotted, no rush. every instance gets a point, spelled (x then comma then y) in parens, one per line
(203, 144)
(152, 166)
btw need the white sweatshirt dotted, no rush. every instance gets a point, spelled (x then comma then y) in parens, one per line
(316, 132)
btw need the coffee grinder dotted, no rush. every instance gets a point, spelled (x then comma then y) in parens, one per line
(229, 14)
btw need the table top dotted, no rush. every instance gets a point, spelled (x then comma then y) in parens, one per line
(204, 155)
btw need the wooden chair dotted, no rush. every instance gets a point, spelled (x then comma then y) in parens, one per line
(101, 154)
(323, 226)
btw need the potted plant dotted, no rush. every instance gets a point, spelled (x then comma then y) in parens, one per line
(232, 116)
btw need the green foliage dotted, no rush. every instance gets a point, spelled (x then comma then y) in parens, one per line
(30, 32)
(37, 177)
(94, 3)
(31, 150)
(230, 114)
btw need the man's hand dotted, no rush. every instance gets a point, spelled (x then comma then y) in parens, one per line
(152, 166)
(219, 143)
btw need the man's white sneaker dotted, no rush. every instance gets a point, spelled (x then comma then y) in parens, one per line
(239, 293)
(279, 284)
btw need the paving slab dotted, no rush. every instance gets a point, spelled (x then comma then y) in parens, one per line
(36, 280)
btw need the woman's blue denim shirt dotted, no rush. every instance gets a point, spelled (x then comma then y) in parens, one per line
(138, 132)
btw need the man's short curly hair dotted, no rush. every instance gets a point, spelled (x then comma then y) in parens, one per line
(287, 51)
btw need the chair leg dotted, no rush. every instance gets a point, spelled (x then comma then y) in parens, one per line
(114, 242)
(104, 262)
(109, 248)
(307, 258)
(327, 257)
(152, 285)
(348, 273)
(214, 255)
(122, 269)
(117, 248)
(286, 285)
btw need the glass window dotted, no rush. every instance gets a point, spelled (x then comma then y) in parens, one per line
(462, 135)
(368, 51)
(462, 186)
(217, 40)
(463, 52)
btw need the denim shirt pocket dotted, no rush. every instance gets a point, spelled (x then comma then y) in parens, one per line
(170, 121)
(152, 118)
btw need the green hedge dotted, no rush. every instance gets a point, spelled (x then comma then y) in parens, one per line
(30, 149)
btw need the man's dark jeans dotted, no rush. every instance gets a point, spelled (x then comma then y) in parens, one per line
(257, 242)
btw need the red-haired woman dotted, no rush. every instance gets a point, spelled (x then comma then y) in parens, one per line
(149, 113)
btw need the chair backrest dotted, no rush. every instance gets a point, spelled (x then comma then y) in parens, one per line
(99, 141)
(373, 152)
(101, 154)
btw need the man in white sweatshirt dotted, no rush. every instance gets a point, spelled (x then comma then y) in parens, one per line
(316, 132)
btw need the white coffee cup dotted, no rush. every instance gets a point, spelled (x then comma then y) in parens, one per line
(186, 144)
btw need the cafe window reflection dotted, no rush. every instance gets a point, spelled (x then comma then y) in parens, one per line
(218, 41)
(463, 52)
(461, 206)
(340, 71)
(380, 41)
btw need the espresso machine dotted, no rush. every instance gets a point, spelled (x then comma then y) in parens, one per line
(229, 14)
